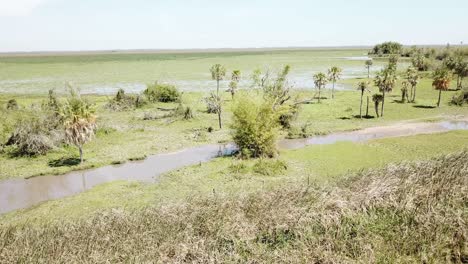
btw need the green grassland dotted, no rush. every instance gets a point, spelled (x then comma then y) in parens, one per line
(126, 135)
(318, 165)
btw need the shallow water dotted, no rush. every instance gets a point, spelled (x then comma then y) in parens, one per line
(23, 193)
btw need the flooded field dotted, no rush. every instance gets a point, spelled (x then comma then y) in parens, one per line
(106, 73)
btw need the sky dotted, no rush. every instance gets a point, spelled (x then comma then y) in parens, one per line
(65, 25)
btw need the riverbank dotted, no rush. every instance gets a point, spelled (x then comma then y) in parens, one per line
(124, 136)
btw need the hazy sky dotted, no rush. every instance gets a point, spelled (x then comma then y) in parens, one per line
(27, 25)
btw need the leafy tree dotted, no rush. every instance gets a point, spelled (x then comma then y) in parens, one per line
(441, 81)
(368, 64)
(277, 90)
(377, 98)
(458, 66)
(387, 48)
(363, 87)
(255, 127)
(235, 78)
(385, 80)
(412, 77)
(334, 74)
(320, 80)
(218, 73)
(79, 121)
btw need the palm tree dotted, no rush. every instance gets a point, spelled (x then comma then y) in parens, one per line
(320, 80)
(218, 72)
(235, 78)
(442, 78)
(363, 87)
(385, 80)
(377, 98)
(368, 64)
(79, 121)
(334, 74)
(412, 77)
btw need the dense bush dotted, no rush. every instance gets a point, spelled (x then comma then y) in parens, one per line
(36, 135)
(255, 128)
(460, 98)
(387, 48)
(410, 213)
(12, 105)
(159, 92)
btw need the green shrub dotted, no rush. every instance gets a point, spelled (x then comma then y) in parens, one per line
(270, 167)
(460, 98)
(123, 102)
(184, 111)
(255, 128)
(12, 105)
(159, 92)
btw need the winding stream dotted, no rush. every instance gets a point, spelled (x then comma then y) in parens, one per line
(23, 193)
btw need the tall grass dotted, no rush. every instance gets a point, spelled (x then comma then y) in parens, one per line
(407, 213)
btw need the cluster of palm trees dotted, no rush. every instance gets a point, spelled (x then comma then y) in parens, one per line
(321, 79)
(386, 80)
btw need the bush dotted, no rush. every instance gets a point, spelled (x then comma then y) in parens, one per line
(255, 128)
(12, 105)
(36, 135)
(460, 98)
(184, 111)
(161, 93)
(270, 167)
(122, 101)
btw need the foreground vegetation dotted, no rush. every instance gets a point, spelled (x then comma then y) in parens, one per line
(409, 213)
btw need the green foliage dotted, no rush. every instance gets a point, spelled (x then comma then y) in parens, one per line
(12, 105)
(52, 103)
(270, 167)
(123, 102)
(160, 92)
(235, 78)
(79, 121)
(460, 98)
(185, 112)
(255, 128)
(387, 48)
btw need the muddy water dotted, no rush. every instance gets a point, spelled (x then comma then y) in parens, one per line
(23, 193)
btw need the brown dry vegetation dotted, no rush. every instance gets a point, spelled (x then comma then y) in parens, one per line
(406, 213)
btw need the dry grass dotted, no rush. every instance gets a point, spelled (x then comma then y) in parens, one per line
(407, 213)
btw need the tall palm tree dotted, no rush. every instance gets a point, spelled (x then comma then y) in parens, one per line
(377, 98)
(320, 80)
(368, 64)
(79, 121)
(218, 72)
(363, 87)
(385, 80)
(412, 77)
(334, 74)
(441, 81)
(235, 78)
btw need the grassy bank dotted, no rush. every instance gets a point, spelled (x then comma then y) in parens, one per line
(409, 213)
(319, 164)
